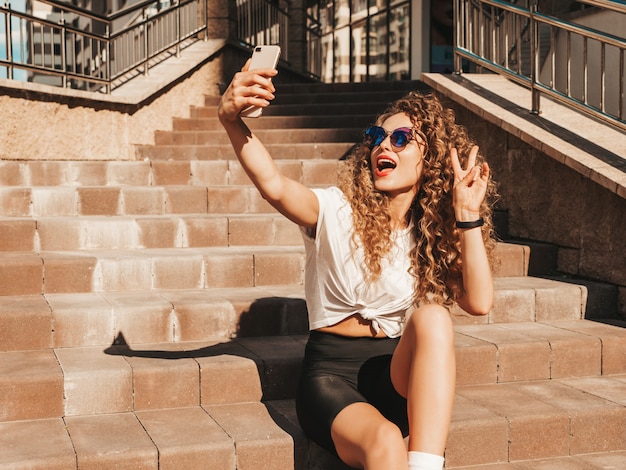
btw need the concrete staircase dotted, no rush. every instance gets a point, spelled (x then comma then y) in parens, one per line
(152, 315)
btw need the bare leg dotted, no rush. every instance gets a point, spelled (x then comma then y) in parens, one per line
(366, 439)
(423, 369)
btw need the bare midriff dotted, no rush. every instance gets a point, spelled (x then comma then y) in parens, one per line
(354, 326)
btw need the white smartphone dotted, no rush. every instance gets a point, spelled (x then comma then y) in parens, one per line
(263, 57)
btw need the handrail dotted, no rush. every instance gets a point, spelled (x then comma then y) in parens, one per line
(70, 55)
(263, 22)
(52, 24)
(90, 14)
(74, 9)
(582, 30)
(486, 44)
(615, 5)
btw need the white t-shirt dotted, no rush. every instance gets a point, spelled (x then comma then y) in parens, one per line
(335, 285)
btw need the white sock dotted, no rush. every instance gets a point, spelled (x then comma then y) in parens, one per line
(424, 461)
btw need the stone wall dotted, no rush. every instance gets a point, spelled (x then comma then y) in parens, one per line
(36, 125)
(47, 123)
(548, 202)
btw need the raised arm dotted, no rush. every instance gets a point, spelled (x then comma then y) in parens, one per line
(291, 198)
(470, 187)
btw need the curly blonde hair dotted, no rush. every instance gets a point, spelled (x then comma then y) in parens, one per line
(435, 260)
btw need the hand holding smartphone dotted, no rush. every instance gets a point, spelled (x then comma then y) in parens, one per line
(263, 57)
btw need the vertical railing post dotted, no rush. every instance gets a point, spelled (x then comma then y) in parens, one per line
(109, 69)
(9, 37)
(205, 20)
(178, 27)
(552, 58)
(534, 58)
(146, 43)
(585, 97)
(620, 112)
(63, 44)
(268, 24)
(458, 31)
(603, 77)
(250, 18)
(568, 76)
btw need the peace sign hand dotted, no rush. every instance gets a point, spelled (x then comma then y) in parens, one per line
(470, 186)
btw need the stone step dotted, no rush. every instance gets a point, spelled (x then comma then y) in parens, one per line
(285, 94)
(224, 153)
(538, 420)
(582, 424)
(97, 319)
(93, 257)
(159, 231)
(311, 164)
(603, 299)
(149, 269)
(284, 123)
(62, 382)
(593, 461)
(102, 200)
(178, 231)
(358, 103)
(241, 436)
(18, 234)
(352, 96)
(370, 109)
(74, 173)
(101, 270)
(75, 381)
(349, 88)
(74, 318)
(139, 200)
(550, 424)
(193, 436)
(82, 318)
(19, 180)
(267, 136)
(285, 107)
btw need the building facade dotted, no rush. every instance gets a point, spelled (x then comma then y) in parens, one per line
(338, 41)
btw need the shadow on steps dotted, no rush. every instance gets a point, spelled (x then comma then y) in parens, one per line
(277, 360)
(269, 346)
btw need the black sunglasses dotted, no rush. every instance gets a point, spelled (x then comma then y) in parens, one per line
(374, 135)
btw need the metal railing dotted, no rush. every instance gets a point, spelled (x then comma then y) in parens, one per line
(76, 48)
(313, 39)
(573, 64)
(261, 22)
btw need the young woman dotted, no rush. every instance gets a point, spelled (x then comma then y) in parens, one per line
(404, 235)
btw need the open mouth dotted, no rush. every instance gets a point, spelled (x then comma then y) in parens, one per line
(384, 166)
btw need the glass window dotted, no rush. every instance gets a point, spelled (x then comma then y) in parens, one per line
(359, 40)
(342, 13)
(326, 17)
(378, 5)
(441, 36)
(314, 46)
(327, 58)
(342, 55)
(359, 10)
(359, 52)
(399, 43)
(378, 47)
